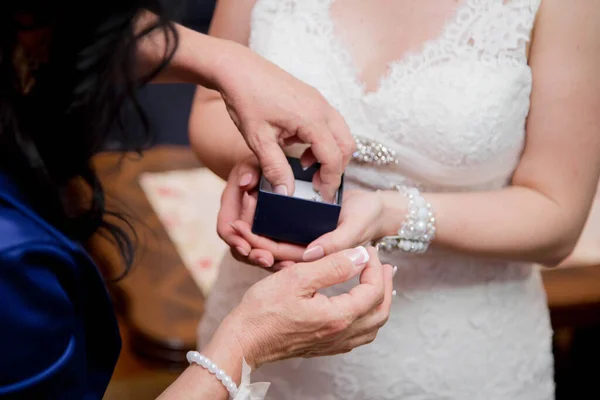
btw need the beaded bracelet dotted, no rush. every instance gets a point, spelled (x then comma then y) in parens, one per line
(418, 229)
(194, 357)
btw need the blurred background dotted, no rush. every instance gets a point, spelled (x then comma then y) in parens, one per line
(173, 202)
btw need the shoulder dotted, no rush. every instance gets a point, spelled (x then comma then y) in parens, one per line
(18, 229)
(37, 316)
(20, 224)
(38, 275)
(576, 15)
(566, 40)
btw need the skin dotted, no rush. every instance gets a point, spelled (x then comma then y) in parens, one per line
(266, 105)
(539, 217)
(283, 316)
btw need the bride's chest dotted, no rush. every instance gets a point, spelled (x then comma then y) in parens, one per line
(454, 106)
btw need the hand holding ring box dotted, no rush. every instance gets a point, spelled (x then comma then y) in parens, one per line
(300, 218)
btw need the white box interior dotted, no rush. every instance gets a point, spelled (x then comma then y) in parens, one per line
(304, 190)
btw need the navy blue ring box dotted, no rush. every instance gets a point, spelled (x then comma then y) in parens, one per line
(295, 220)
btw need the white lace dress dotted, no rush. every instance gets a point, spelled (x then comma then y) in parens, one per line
(460, 328)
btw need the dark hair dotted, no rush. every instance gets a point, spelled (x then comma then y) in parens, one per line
(50, 131)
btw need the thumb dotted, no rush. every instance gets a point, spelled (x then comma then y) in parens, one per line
(331, 270)
(273, 162)
(247, 173)
(341, 238)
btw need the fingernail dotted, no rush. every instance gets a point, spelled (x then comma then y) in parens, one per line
(305, 168)
(394, 271)
(263, 262)
(234, 227)
(281, 189)
(242, 251)
(394, 293)
(313, 254)
(246, 179)
(358, 255)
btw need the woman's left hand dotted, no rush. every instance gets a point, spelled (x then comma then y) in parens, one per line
(361, 221)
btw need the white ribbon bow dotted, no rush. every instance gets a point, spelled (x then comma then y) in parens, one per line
(250, 391)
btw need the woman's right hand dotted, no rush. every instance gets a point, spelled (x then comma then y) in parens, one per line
(284, 315)
(270, 108)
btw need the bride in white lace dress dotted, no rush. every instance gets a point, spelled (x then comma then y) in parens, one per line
(496, 124)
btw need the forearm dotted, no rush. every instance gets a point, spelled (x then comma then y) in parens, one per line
(213, 136)
(516, 223)
(202, 60)
(196, 383)
(199, 59)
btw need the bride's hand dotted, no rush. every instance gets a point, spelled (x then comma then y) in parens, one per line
(361, 221)
(238, 204)
(285, 316)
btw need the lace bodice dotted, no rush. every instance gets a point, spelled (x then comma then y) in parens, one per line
(454, 111)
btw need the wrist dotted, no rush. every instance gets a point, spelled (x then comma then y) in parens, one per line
(394, 212)
(236, 338)
(228, 57)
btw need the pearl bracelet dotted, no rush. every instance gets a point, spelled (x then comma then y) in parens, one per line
(194, 357)
(417, 230)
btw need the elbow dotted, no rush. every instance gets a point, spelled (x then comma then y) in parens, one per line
(556, 256)
(560, 249)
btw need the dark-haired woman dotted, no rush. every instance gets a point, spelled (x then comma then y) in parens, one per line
(66, 67)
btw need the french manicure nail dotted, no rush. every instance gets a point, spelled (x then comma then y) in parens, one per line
(394, 293)
(304, 165)
(358, 255)
(242, 251)
(245, 179)
(394, 270)
(313, 254)
(281, 189)
(263, 262)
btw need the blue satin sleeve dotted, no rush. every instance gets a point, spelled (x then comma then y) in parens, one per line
(37, 319)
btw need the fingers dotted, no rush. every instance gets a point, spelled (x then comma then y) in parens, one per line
(308, 159)
(247, 174)
(343, 237)
(273, 161)
(363, 329)
(327, 152)
(331, 270)
(279, 265)
(334, 151)
(231, 204)
(280, 251)
(261, 258)
(376, 317)
(248, 208)
(367, 295)
(235, 206)
(341, 133)
(388, 279)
